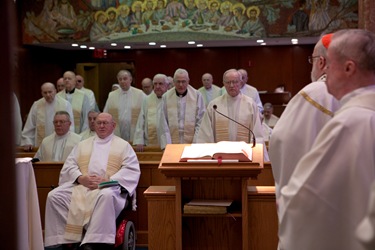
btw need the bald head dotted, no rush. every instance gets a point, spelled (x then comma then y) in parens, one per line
(70, 80)
(147, 86)
(351, 61)
(207, 80)
(48, 91)
(60, 85)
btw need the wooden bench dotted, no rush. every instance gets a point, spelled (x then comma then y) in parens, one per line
(263, 221)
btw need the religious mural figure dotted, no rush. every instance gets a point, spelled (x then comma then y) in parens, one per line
(136, 16)
(239, 19)
(99, 29)
(123, 19)
(226, 15)
(175, 10)
(319, 17)
(254, 26)
(112, 19)
(300, 19)
(159, 12)
(213, 13)
(190, 8)
(65, 15)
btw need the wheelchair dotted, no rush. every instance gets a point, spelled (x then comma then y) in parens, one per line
(126, 235)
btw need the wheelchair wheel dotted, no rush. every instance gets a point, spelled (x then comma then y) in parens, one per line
(129, 236)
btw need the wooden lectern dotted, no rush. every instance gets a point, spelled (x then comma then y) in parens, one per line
(210, 181)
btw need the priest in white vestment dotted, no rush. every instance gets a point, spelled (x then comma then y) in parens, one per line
(78, 99)
(182, 111)
(209, 90)
(147, 130)
(77, 211)
(269, 118)
(305, 115)
(91, 118)
(234, 104)
(57, 146)
(328, 193)
(124, 105)
(247, 89)
(39, 123)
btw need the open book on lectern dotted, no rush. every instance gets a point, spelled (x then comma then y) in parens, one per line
(224, 150)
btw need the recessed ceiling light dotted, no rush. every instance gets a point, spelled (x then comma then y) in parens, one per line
(92, 48)
(83, 46)
(263, 44)
(199, 45)
(74, 44)
(163, 46)
(152, 43)
(127, 47)
(113, 44)
(191, 42)
(294, 41)
(260, 41)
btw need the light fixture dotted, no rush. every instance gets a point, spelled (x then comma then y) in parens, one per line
(294, 41)
(152, 43)
(263, 43)
(113, 44)
(260, 41)
(83, 46)
(75, 45)
(92, 48)
(199, 45)
(191, 42)
(127, 47)
(163, 46)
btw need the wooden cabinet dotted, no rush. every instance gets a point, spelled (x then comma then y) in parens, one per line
(211, 181)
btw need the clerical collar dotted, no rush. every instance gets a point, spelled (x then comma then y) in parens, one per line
(181, 95)
(70, 92)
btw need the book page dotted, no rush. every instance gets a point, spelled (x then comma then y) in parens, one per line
(225, 149)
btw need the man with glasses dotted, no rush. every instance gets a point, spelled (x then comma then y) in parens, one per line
(303, 118)
(78, 99)
(182, 110)
(39, 123)
(239, 107)
(78, 211)
(57, 146)
(90, 94)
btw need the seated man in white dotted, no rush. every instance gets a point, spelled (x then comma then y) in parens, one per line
(91, 117)
(57, 146)
(269, 118)
(78, 204)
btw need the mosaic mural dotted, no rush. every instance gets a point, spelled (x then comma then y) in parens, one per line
(46, 21)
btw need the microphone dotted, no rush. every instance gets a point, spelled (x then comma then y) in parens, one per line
(251, 133)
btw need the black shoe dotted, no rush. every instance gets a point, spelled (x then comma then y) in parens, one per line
(88, 247)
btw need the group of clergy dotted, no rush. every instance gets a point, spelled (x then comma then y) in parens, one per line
(180, 114)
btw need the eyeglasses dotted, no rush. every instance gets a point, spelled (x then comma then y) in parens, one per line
(59, 122)
(102, 123)
(232, 82)
(310, 59)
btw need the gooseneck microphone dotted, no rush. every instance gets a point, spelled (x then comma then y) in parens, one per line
(251, 133)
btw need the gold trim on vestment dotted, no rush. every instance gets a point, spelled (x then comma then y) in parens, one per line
(315, 104)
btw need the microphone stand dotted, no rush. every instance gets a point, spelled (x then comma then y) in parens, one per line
(250, 131)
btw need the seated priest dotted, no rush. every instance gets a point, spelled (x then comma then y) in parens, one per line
(57, 146)
(78, 211)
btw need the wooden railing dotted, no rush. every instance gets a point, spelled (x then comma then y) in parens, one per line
(47, 175)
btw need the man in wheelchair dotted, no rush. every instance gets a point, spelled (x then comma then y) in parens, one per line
(94, 184)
